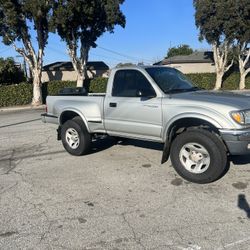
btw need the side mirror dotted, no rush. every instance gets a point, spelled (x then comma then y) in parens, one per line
(149, 95)
(139, 93)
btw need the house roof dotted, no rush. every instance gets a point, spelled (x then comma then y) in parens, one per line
(67, 66)
(196, 57)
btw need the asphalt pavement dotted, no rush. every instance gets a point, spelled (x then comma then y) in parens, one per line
(117, 197)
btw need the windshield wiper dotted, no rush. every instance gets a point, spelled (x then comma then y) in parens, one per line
(172, 91)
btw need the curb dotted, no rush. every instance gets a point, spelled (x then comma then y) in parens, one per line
(28, 107)
(242, 92)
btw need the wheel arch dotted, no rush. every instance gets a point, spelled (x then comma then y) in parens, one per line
(190, 120)
(69, 114)
(182, 124)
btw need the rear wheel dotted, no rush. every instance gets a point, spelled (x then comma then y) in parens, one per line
(75, 137)
(198, 156)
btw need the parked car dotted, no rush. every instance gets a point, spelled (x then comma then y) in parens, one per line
(199, 128)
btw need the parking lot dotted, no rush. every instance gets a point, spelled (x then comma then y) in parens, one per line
(117, 197)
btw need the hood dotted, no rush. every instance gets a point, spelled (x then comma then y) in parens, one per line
(225, 98)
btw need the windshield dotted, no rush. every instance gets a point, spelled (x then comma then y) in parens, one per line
(170, 80)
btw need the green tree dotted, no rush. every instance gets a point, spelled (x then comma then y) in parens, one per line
(80, 23)
(124, 64)
(213, 18)
(9, 72)
(17, 19)
(182, 49)
(240, 26)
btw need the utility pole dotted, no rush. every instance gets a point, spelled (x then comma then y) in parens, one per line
(23, 66)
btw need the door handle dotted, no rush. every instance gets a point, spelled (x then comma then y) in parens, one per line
(113, 104)
(151, 106)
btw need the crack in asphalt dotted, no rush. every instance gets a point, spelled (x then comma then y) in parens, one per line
(36, 207)
(12, 164)
(8, 234)
(18, 123)
(9, 188)
(136, 239)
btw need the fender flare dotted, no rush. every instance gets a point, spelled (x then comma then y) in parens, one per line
(167, 144)
(189, 116)
(78, 112)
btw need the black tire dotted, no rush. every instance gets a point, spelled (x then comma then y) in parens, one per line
(213, 169)
(83, 144)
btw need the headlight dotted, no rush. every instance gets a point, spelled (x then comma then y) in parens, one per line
(241, 117)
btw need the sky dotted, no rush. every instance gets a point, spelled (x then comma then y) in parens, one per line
(152, 27)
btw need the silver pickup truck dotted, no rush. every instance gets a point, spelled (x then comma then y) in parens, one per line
(198, 128)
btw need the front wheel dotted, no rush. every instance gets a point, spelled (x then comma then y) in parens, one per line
(198, 156)
(75, 137)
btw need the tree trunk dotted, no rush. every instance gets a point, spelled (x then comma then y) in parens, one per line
(242, 73)
(218, 83)
(221, 59)
(80, 79)
(37, 93)
(84, 52)
(79, 62)
(242, 64)
(242, 81)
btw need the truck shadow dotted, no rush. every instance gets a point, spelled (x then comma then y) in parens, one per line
(240, 159)
(142, 144)
(102, 144)
(108, 142)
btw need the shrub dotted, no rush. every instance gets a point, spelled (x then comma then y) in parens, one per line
(12, 95)
(21, 94)
(232, 81)
(53, 87)
(203, 80)
(207, 80)
(98, 85)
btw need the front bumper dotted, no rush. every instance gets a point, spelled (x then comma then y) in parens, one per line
(47, 118)
(237, 141)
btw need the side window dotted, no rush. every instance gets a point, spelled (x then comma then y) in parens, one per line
(128, 83)
(144, 86)
(124, 84)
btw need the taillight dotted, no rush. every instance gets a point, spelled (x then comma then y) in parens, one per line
(46, 108)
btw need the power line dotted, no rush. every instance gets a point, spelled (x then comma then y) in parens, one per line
(91, 53)
(137, 59)
(123, 55)
(104, 56)
(133, 58)
(94, 54)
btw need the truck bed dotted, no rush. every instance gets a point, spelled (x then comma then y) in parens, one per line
(91, 106)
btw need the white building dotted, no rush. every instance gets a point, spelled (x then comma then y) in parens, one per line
(64, 71)
(198, 62)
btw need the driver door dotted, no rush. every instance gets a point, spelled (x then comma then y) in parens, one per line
(133, 107)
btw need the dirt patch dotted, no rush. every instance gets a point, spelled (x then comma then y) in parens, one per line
(177, 182)
(146, 166)
(239, 185)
